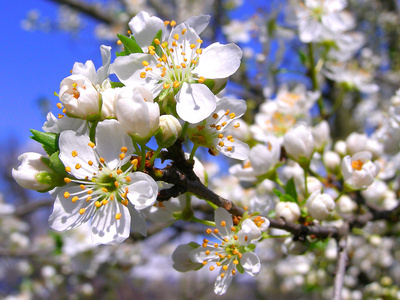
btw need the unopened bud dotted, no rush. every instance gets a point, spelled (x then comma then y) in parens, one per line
(170, 130)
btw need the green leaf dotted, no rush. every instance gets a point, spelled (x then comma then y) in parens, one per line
(158, 47)
(56, 164)
(277, 192)
(239, 267)
(122, 53)
(49, 140)
(303, 58)
(116, 84)
(130, 45)
(287, 198)
(290, 189)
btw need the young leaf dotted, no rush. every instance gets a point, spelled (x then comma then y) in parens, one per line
(49, 140)
(130, 45)
(290, 189)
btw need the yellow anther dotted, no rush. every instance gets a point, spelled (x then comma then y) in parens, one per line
(207, 252)
(204, 245)
(104, 202)
(66, 195)
(216, 245)
(223, 123)
(235, 262)
(91, 144)
(176, 84)
(237, 125)
(235, 237)
(151, 52)
(357, 165)
(223, 223)
(232, 115)
(218, 263)
(102, 160)
(199, 51)
(233, 228)
(119, 42)
(82, 186)
(145, 63)
(67, 180)
(68, 169)
(221, 144)
(218, 127)
(208, 230)
(227, 112)
(220, 136)
(148, 69)
(183, 65)
(122, 156)
(97, 204)
(60, 116)
(204, 262)
(116, 183)
(176, 36)
(173, 44)
(88, 198)
(222, 275)
(173, 23)
(184, 31)
(225, 267)
(143, 75)
(64, 111)
(90, 163)
(229, 137)
(74, 85)
(166, 23)
(82, 211)
(118, 216)
(78, 166)
(229, 148)
(90, 192)
(128, 179)
(215, 116)
(151, 48)
(199, 41)
(233, 272)
(166, 86)
(164, 45)
(212, 268)
(201, 79)
(134, 162)
(157, 41)
(129, 32)
(192, 46)
(59, 105)
(216, 231)
(226, 240)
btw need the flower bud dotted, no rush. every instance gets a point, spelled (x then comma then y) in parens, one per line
(170, 130)
(137, 113)
(340, 147)
(320, 205)
(321, 135)
(289, 211)
(331, 160)
(356, 142)
(346, 205)
(33, 173)
(299, 143)
(79, 97)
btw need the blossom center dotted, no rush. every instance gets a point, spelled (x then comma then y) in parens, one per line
(357, 165)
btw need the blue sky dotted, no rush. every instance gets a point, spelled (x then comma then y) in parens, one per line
(33, 65)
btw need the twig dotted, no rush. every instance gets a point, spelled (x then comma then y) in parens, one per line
(32, 206)
(340, 265)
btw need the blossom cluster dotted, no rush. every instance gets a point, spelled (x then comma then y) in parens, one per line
(301, 162)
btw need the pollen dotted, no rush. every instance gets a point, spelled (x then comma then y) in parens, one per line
(157, 41)
(229, 148)
(207, 252)
(166, 86)
(90, 163)
(91, 144)
(143, 75)
(232, 115)
(176, 36)
(66, 195)
(216, 231)
(116, 183)
(208, 230)
(102, 160)
(221, 144)
(237, 125)
(117, 216)
(212, 268)
(215, 116)
(104, 190)
(357, 165)
(88, 198)
(90, 192)
(201, 79)
(68, 169)
(166, 23)
(78, 166)
(60, 116)
(223, 223)
(119, 42)
(176, 84)
(173, 23)
(122, 156)
(82, 211)
(225, 267)
(59, 105)
(67, 180)
(233, 228)
(199, 51)
(222, 275)
(184, 31)
(145, 63)
(204, 262)
(82, 186)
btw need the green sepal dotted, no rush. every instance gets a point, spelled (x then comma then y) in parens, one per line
(49, 140)
(130, 45)
(116, 84)
(158, 49)
(250, 247)
(56, 164)
(122, 53)
(239, 267)
(194, 245)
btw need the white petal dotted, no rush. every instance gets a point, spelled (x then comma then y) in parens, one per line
(144, 28)
(143, 190)
(219, 61)
(236, 109)
(110, 138)
(71, 141)
(88, 70)
(221, 215)
(106, 229)
(239, 150)
(195, 102)
(128, 69)
(251, 263)
(199, 255)
(66, 214)
(182, 262)
(198, 23)
(222, 283)
(248, 233)
(138, 222)
(103, 71)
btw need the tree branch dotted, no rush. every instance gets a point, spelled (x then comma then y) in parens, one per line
(340, 265)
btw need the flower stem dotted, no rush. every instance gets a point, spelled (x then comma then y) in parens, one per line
(184, 129)
(205, 222)
(155, 155)
(195, 146)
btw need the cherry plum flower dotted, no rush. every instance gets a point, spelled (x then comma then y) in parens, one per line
(98, 189)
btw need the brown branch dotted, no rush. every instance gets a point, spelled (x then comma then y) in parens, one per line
(91, 10)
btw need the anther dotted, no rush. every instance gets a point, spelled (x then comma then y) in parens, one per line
(166, 86)
(216, 231)
(229, 148)
(184, 31)
(82, 186)
(215, 116)
(66, 195)
(222, 275)
(145, 63)
(117, 216)
(91, 144)
(212, 268)
(204, 262)
(225, 267)
(176, 36)
(78, 166)
(201, 79)
(104, 189)
(166, 23)
(67, 180)
(59, 105)
(68, 169)
(82, 211)
(208, 230)
(232, 115)
(176, 84)
(157, 41)
(173, 23)
(122, 156)
(143, 75)
(97, 204)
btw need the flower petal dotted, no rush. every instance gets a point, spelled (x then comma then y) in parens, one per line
(221, 216)
(195, 102)
(219, 61)
(198, 23)
(182, 262)
(250, 263)
(103, 71)
(106, 229)
(138, 222)
(222, 283)
(110, 138)
(142, 190)
(239, 149)
(199, 255)
(74, 150)
(66, 214)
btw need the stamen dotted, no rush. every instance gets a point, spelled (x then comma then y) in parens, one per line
(117, 216)
(67, 180)
(82, 211)
(66, 195)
